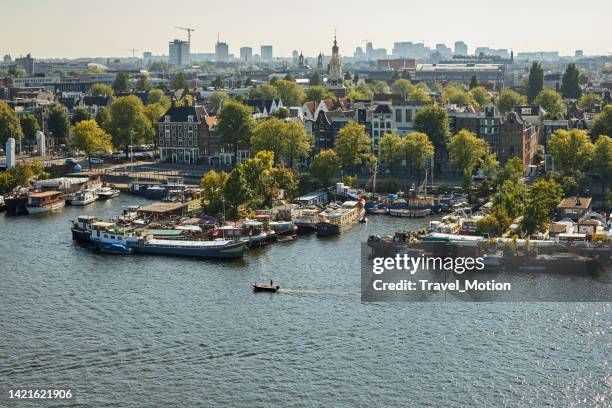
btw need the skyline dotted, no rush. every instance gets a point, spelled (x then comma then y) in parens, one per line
(148, 27)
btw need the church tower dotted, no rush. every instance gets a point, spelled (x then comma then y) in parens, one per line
(320, 60)
(335, 69)
(301, 61)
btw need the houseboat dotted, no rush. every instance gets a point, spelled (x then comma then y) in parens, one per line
(334, 218)
(81, 229)
(83, 197)
(306, 220)
(256, 234)
(17, 202)
(410, 213)
(45, 201)
(282, 228)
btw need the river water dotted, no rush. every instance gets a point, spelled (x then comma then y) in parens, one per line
(138, 331)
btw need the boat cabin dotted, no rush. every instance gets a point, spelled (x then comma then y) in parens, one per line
(43, 197)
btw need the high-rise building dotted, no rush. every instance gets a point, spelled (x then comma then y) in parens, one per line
(266, 53)
(295, 55)
(27, 63)
(461, 48)
(369, 49)
(146, 57)
(246, 54)
(221, 51)
(579, 54)
(359, 55)
(179, 53)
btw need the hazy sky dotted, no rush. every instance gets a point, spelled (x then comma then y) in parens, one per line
(89, 28)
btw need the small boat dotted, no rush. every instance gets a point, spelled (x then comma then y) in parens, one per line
(265, 287)
(111, 248)
(84, 197)
(106, 193)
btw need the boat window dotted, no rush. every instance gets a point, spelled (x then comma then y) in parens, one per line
(119, 238)
(112, 237)
(105, 236)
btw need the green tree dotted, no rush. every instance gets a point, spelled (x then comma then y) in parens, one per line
(317, 93)
(513, 170)
(217, 99)
(509, 200)
(153, 112)
(403, 87)
(258, 172)
(21, 174)
(602, 123)
(158, 96)
(418, 151)
(9, 124)
(179, 81)
(287, 180)
(7, 182)
(290, 92)
(122, 83)
(466, 150)
(419, 95)
(589, 100)
(552, 102)
(235, 125)
(381, 87)
(80, 113)
(535, 84)
(315, 79)
(455, 95)
(101, 90)
(433, 121)
(29, 126)
(353, 145)
(570, 86)
(58, 124)
(508, 99)
(570, 149)
(128, 123)
(480, 95)
(474, 82)
(213, 191)
(391, 149)
(543, 198)
(218, 82)
(324, 166)
(270, 135)
(143, 83)
(298, 142)
(264, 92)
(602, 159)
(236, 190)
(89, 138)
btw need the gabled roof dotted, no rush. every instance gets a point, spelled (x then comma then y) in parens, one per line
(89, 100)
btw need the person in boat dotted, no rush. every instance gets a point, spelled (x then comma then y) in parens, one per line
(271, 282)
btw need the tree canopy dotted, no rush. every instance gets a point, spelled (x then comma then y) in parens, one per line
(128, 123)
(318, 92)
(59, 124)
(508, 99)
(535, 83)
(101, 90)
(9, 124)
(89, 138)
(570, 149)
(570, 85)
(290, 92)
(466, 151)
(552, 102)
(602, 124)
(324, 166)
(235, 125)
(122, 82)
(353, 144)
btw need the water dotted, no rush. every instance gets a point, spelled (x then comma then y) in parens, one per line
(136, 331)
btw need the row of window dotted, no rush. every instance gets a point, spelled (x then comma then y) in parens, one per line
(174, 127)
(179, 142)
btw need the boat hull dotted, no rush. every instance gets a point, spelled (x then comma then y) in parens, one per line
(82, 203)
(230, 251)
(47, 207)
(16, 205)
(326, 229)
(80, 234)
(306, 228)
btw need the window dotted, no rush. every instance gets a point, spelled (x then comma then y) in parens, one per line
(190, 118)
(167, 118)
(180, 142)
(398, 115)
(408, 115)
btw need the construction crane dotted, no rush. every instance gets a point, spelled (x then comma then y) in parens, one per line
(133, 52)
(189, 30)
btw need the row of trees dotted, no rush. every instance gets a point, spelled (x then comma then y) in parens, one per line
(570, 82)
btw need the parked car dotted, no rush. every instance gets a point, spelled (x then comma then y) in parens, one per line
(71, 161)
(97, 160)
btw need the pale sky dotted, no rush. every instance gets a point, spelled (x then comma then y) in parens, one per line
(104, 28)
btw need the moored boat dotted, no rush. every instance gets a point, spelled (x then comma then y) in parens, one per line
(334, 218)
(83, 197)
(39, 202)
(106, 193)
(306, 220)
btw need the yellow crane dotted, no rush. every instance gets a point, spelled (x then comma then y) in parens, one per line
(189, 30)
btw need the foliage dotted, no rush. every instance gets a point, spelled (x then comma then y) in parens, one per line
(419, 95)
(236, 190)
(552, 102)
(153, 112)
(456, 96)
(29, 126)
(324, 166)
(179, 81)
(128, 123)
(80, 113)
(315, 79)
(602, 124)
(158, 96)
(433, 121)
(218, 83)
(508, 99)
(570, 86)
(353, 145)
(9, 124)
(217, 99)
(390, 185)
(474, 82)
(270, 135)
(287, 180)
(602, 159)
(7, 182)
(258, 171)
(480, 96)
(418, 151)
(298, 143)
(513, 171)
(122, 82)
(466, 150)
(58, 124)
(21, 174)
(350, 181)
(544, 197)
(290, 92)
(391, 148)
(235, 124)
(143, 83)
(213, 188)
(570, 149)
(264, 92)
(101, 90)
(589, 100)
(318, 92)
(403, 87)
(535, 83)
(88, 137)
(509, 200)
